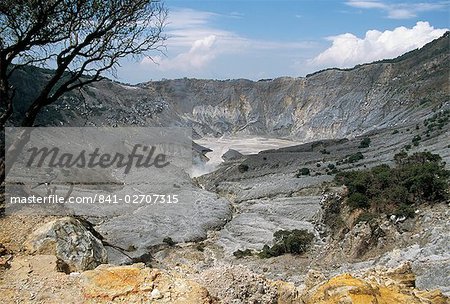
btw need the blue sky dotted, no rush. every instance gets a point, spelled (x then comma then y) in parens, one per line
(255, 39)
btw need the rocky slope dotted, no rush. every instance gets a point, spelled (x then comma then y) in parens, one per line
(34, 279)
(328, 104)
(250, 197)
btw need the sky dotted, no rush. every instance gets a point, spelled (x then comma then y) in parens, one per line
(261, 39)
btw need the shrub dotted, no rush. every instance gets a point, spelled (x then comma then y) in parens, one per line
(365, 217)
(303, 171)
(358, 200)
(169, 241)
(243, 168)
(397, 194)
(365, 143)
(416, 140)
(286, 241)
(331, 166)
(200, 247)
(266, 252)
(405, 210)
(242, 253)
(417, 178)
(399, 157)
(394, 132)
(334, 171)
(355, 157)
(324, 151)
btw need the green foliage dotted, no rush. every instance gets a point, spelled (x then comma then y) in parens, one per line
(365, 143)
(354, 158)
(242, 253)
(399, 157)
(397, 193)
(243, 168)
(358, 200)
(417, 178)
(405, 210)
(437, 121)
(169, 241)
(331, 169)
(286, 241)
(200, 247)
(324, 151)
(366, 217)
(303, 171)
(416, 140)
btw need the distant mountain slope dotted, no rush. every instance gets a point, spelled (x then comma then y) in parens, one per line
(328, 104)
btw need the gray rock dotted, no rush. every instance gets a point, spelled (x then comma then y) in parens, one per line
(69, 241)
(256, 221)
(145, 226)
(231, 155)
(328, 104)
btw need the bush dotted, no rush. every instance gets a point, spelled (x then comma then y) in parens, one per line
(242, 253)
(417, 178)
(200, 247)
(354, 158)
(358, 200)
(399, 157)
(405, 210)
(286, 241)
(324, 151)
(303, 171)
(365, 217)
(365, 143)
(416, 140)
(398, 194)
(243, 168)
(169, 241)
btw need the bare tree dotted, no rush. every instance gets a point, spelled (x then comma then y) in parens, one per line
(80, 39)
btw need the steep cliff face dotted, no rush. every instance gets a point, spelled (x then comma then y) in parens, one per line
(328, 104)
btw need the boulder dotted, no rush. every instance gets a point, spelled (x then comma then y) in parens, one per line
(346, 288)
(231, 155)
(138, 284)
(70, 242)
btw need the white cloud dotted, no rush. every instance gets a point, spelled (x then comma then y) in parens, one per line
(199, 55)
(188, 18)
(193, 43)
(348, 50)
(399, 10)
(366, 4)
